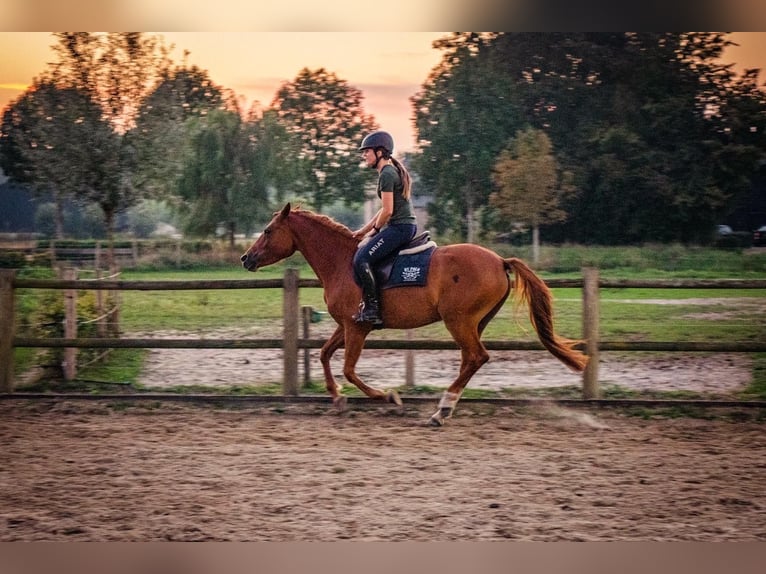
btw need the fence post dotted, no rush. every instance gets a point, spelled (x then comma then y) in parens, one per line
(101, 323)
(590, 308)
(70, 326)
(307, 310)
(135, 252)
(7, 328)
(97, 256)
(115, 302)
(409, 362)
(290, 337)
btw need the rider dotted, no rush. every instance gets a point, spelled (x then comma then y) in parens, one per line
(393, 226)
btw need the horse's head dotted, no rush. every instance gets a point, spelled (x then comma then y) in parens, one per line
(274, 244)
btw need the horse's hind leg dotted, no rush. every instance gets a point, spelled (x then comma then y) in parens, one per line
(473, 356)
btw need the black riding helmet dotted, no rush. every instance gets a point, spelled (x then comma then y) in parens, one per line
(377, 140)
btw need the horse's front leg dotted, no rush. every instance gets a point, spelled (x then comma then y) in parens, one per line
(355, 337)
(325, 355)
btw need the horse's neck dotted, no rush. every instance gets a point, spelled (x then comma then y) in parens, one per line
(325, 249)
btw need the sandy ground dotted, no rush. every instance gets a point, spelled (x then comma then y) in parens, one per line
(111, 471)
(99, 471)
(713, 373)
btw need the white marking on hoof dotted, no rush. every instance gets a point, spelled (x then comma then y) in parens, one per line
(340, 402)
(447, 404)
(446, 408)
(448, 400)
(393, 397)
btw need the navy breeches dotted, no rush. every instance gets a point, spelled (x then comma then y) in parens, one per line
(383, 244)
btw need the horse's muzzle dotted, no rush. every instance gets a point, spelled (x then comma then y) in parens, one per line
(249, 261)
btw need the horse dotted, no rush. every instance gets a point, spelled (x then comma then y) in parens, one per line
(466, 287)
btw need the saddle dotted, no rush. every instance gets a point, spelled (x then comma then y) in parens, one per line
(408, 266)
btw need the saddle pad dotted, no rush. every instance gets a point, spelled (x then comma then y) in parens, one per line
(410, 269)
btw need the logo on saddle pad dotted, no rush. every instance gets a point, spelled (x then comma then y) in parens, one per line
(411, 274)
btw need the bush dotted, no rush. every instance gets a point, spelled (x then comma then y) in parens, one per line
(672, 258)
(12, 260)
(736, 240)
(46, 320)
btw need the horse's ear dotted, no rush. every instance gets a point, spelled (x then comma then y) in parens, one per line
(285, 211)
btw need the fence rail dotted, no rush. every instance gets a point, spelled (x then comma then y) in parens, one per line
(191, 285)
(291, 341)
(391, 344)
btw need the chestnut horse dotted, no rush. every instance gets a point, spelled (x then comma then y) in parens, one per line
(467, 285)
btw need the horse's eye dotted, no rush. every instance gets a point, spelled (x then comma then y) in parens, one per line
(267, 231)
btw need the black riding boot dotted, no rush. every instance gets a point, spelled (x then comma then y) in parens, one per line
(369, 308)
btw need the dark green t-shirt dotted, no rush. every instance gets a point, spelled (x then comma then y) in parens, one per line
(389, 180)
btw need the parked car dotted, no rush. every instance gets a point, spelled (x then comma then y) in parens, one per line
(759, 236)
(723, 230)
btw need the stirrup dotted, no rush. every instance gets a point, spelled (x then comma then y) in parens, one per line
(367, 315)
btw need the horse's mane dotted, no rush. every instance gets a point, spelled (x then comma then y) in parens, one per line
(324, 220)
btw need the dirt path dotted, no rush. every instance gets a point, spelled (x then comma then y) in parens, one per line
(77, 471)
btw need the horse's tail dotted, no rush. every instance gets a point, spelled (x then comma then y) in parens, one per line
(530, 289)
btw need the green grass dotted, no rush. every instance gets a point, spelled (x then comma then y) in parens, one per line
(119, 370)
(201, 310)
(623, 316)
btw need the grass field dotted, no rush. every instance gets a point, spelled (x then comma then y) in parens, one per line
(626, 314)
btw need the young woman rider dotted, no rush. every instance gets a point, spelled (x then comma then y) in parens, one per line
(393, 226)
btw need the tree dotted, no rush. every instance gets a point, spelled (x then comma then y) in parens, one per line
(464, 114)
(658, 135)
(272, 161)
(222, 180)
(117, 71)
(160, 124)
(49, 135)
(528, 185)
(662, 141)
(325, 114)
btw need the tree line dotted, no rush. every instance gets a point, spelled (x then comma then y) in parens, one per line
(610, 138)
(650, 137)
(115, 122)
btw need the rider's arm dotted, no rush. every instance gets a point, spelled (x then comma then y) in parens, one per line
(369, 226)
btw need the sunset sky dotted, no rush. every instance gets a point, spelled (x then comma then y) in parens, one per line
(389, 67)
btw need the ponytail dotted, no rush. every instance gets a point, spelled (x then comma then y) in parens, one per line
(406, 179)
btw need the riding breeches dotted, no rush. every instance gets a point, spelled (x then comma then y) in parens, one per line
(383, 244)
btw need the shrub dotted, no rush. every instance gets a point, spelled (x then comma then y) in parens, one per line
(12, 260)
(736, 240)
(46, 320)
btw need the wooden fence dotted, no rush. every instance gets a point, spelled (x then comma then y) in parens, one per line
(94, 257)
(291, 341)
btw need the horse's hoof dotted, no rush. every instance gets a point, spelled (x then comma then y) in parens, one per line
(393, 397)
(340, 402)
(436, 421)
